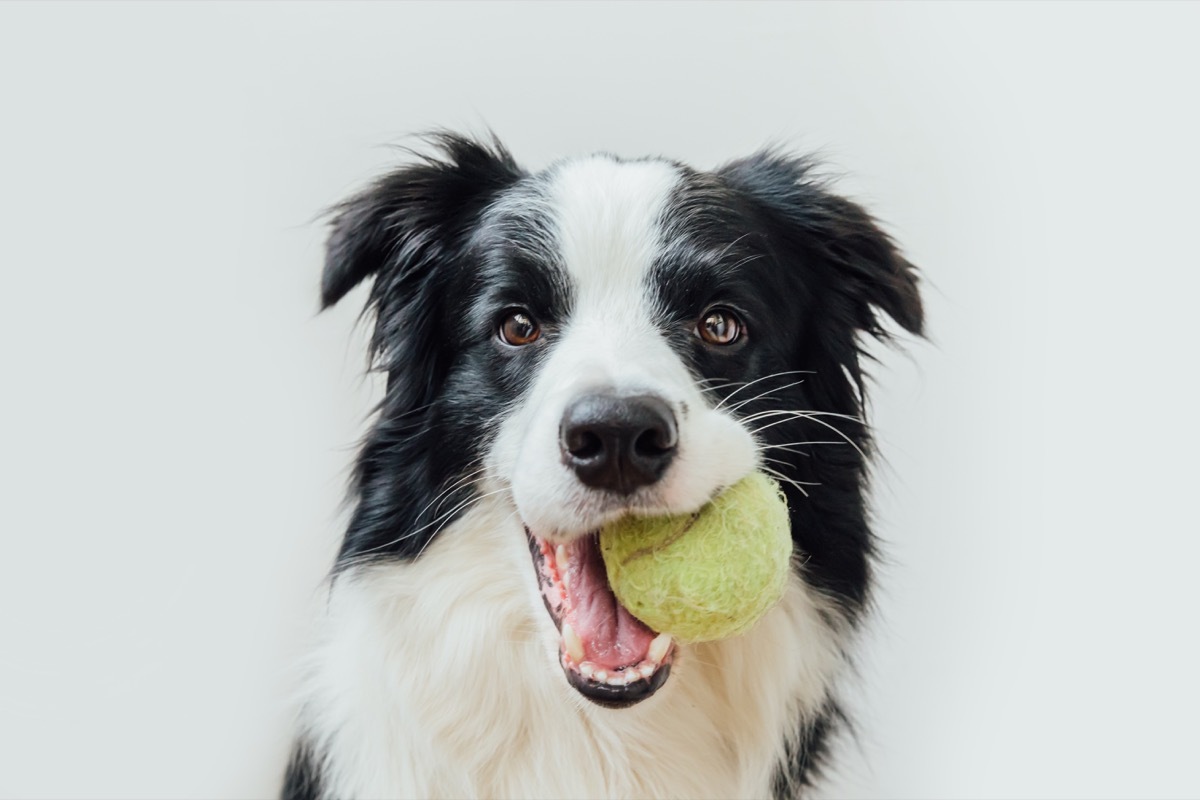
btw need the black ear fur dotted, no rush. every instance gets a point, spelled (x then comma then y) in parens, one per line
(408, 229)
(865, 270)
(411, 230)
(406, 220)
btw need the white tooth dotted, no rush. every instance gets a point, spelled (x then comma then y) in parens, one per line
(659, 648)
(565, 577)
(631, 675)
(586, 669)
(600, 675)
(560, 557)
(572, 643)
(646, 670)
(616, 680)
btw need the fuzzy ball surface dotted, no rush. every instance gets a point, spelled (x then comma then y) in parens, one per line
(707, 575)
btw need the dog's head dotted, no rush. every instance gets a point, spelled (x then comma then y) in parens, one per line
(607, 337)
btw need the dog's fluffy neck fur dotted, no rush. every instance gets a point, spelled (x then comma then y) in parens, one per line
(437, 679)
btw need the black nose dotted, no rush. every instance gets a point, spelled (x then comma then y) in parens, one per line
(618, 443)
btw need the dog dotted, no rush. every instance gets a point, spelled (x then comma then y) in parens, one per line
(601, 338)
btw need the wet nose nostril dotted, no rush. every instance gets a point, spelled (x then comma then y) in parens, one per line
(653, 442)
(584, 444)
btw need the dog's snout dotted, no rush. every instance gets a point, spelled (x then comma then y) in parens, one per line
(618, 443)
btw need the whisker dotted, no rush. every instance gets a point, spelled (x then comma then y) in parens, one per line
(790, 447)
(459, 480)
(464, 504)
(819, 422)
(507, 517)
(800, 413)
(468, 478)
(774, 473)
(764, 395)
(786, 464)
(717, 386)
(731, 245)
(763, 378)
(748, 259)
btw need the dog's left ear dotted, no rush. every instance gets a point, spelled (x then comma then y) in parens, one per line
(862, 269)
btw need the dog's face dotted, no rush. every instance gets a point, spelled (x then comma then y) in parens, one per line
(613, 418)
(609, 337)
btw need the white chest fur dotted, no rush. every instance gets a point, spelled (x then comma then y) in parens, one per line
(439, 678)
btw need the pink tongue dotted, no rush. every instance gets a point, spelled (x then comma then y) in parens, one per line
(612, 638)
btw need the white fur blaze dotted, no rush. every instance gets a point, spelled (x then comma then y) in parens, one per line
(606, 220)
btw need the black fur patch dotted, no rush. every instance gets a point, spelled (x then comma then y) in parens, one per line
(302, 780)
(804, 758)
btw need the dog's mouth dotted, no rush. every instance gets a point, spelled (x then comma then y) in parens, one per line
(608, 655)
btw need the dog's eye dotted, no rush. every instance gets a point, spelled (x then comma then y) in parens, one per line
(719, 326)
(518, 328)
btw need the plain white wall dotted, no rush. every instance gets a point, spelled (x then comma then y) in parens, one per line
(177, 422)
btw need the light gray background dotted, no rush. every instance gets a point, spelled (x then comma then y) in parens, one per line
(177, 422)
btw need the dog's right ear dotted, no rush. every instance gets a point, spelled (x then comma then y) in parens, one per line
(402, 224)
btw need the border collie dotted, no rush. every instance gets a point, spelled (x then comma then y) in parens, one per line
(600, 338)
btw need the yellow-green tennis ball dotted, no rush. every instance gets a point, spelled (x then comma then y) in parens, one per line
(707, 575)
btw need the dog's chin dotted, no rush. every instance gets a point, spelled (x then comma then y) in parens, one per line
(607, 654)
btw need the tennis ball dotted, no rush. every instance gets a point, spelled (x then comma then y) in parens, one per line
(706, 575)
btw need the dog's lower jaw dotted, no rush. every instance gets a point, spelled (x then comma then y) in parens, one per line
(439, 678)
